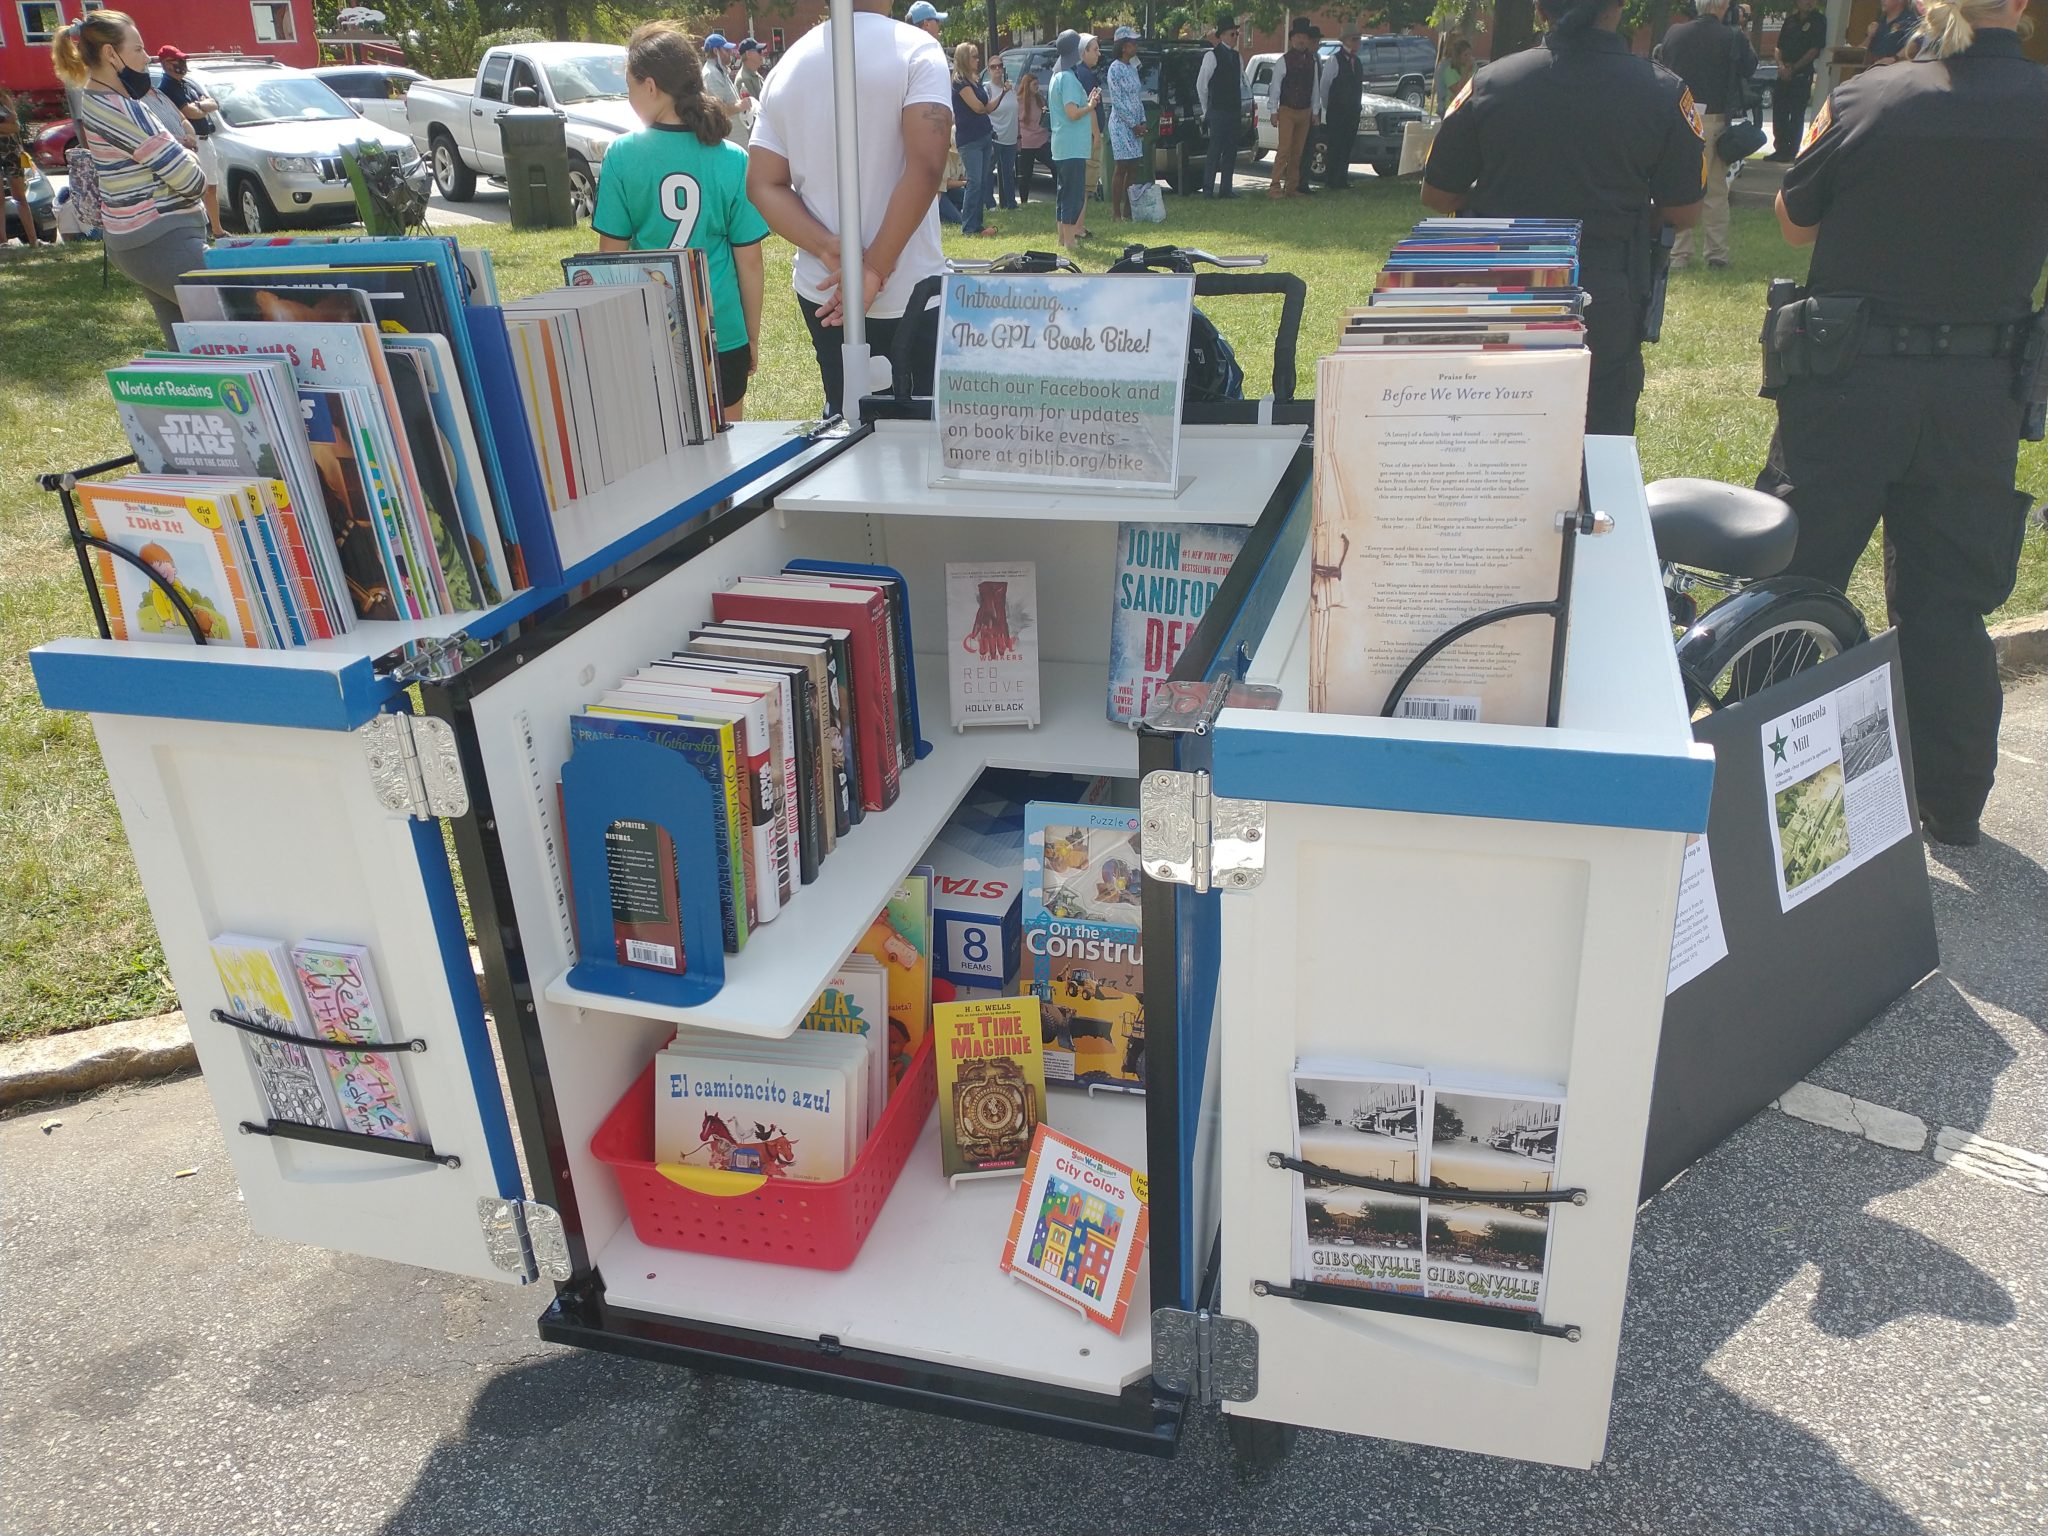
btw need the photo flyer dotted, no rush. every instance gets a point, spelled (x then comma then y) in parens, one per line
(1078, 1231)
(1365, 1123)
(1838, 794)
(1499, 1140)
(992, 642)
(1062, 380)
(1698, 941)
(991, 1082)
(1166, 578)
(1084, 944)
(1438, 482)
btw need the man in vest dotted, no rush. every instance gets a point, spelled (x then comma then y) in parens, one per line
(1295, 99)
(1221, 89)
(1343, 83)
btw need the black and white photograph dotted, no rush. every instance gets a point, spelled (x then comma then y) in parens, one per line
(1866, 716)
(1501, 1143)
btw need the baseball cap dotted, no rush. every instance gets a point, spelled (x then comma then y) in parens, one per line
(167, 54)
(924, 11)
(715, 41)
(750, 45)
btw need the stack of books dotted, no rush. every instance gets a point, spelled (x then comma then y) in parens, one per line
(685, 280)
(1476, 284)
(796, 704)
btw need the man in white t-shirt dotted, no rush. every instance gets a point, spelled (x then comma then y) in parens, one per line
(905, 124)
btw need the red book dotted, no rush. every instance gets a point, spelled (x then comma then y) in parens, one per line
(777, 602)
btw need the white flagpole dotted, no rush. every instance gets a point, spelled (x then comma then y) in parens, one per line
(853, 351)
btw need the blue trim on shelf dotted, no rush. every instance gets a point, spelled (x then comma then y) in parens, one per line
(1446, 777)
(178, 686)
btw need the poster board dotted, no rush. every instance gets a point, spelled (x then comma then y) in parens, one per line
(1799, 981)
(1062, 380)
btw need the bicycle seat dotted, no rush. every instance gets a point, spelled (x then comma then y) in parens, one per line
(1729, 529)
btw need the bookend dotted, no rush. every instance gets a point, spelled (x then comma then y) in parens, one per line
(81, 541)
(605, 781)
(1417, 1306)
(1558, 609)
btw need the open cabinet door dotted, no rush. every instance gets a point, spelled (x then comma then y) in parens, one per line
(1480, 904)
(285, 833)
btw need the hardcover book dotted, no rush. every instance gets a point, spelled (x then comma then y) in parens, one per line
(991, 1082)
(1078, 1231)
(256, 975)
(1366, 1125)
(1166, 578)
(1084, 943)
(1501, 1139)
(340, 986)
(992, 642)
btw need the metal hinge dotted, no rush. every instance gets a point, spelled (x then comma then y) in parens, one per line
(1188, 836)
(414, 766)
(1209, 1357)
(525, 1238)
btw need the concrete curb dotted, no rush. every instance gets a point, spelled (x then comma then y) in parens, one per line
(2022, 644)
(129, 1052)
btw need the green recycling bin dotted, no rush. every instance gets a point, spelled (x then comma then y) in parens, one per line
(536, 168)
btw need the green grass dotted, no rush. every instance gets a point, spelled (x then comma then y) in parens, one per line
(77, 946)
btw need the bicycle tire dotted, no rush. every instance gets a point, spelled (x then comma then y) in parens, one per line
(1769, 631)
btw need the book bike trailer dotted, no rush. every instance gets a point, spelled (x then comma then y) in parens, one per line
(1485, 899)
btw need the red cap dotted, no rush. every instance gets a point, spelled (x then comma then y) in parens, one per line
(165, 54)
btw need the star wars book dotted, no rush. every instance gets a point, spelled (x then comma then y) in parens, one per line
(1497, 1138)
(1078, 1231)
(1360, 1123)
(1084, 943)
(991, 1082)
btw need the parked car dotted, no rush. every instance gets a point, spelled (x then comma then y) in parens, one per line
(1381, 120)
(51, 141)
(377, 91)
(280, 137)
(1167, 73)
(42, 207)
(1401, 67)
(455, 122)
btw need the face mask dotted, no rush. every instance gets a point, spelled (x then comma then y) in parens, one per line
(135, 82)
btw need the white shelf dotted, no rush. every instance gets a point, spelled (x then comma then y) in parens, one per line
(1227, 473)
(772, 982)
(927, 1285)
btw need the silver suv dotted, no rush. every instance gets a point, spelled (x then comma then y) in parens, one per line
(280, 135)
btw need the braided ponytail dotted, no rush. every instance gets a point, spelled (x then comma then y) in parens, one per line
(662, 52)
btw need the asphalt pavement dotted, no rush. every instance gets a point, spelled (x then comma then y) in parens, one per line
(1824, 1335)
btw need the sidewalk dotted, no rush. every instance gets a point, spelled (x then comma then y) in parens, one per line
(1824, 1335)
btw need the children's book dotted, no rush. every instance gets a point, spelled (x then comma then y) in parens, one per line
(1166, 578)
(856, 1002)
(1078, 1231)
(256, 974)
(1084, 943)
(793, 1117)
(184, 539)
(1364, 1122)
(900, 940)
(992, 642)
(991, 1082)
(340, 986)
(1495, 1137)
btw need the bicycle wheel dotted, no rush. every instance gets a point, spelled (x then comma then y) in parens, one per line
(1767, 632)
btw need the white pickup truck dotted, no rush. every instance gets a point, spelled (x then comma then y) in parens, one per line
(455, 122)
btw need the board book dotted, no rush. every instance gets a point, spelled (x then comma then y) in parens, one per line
(1084, 943)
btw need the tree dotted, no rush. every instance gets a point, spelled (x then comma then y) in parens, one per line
(1308, 1109)
(1448, 1124)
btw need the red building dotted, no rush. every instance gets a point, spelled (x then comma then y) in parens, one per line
(282, 29)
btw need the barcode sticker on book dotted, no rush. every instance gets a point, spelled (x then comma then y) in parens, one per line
(640, 952)
(1440, 706)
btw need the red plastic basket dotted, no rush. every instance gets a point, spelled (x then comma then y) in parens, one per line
(784, 1221)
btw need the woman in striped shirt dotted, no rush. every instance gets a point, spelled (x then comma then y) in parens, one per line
(150, 211)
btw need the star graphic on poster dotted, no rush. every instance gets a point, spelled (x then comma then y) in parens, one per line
(1778, 748)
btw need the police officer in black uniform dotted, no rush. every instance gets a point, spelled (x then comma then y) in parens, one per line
(1581, 128)
(1905, 368)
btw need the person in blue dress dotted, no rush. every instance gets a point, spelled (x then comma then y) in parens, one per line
(677, 183)
(1126, 122)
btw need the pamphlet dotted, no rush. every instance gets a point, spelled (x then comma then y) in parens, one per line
(992, 642)
(1367, 1126)
(1062, 380)
(1698, 942)
(1439, 478)
(1501, 1140)
(1838, 796)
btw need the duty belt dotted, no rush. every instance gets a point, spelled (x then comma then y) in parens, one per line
(1924, 340)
